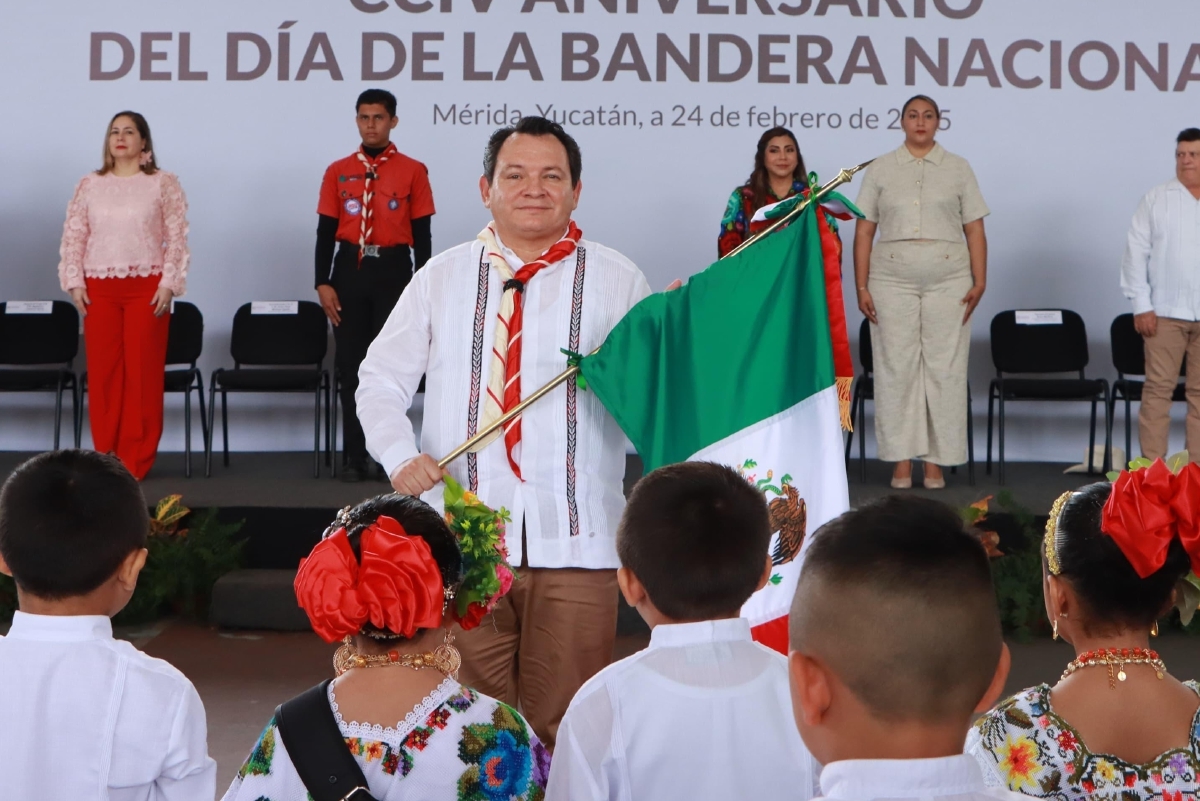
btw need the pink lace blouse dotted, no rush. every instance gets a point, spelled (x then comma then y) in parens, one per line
(120, 227)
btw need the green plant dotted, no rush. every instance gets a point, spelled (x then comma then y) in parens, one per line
(1017, 572)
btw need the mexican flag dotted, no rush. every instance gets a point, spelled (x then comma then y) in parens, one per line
(738, 367)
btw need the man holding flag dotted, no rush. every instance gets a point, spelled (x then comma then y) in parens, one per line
(485, 322)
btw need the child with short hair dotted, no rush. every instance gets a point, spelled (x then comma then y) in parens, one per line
(85, 715)
(895, 645)
(702, 713)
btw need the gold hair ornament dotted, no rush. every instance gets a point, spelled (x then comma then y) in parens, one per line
(1051, 539)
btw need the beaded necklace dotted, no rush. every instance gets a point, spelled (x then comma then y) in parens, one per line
(1115, 659)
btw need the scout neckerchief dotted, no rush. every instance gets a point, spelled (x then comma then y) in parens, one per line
(365, 228)
(504, 378)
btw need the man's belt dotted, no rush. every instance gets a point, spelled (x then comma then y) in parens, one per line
(376, 250)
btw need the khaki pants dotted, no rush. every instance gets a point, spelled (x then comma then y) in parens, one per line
(551, 633)
(1165, 352)
(920, 348)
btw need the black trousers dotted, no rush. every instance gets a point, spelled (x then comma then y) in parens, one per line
(367, 294)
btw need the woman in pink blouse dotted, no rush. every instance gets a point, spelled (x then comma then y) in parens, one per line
(124, 256)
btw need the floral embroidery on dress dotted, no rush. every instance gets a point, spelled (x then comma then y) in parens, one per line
(735, 225)
(501, 764)
(368, 740)
(259, 761)
(1035, 752)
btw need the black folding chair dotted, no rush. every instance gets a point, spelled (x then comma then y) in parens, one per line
(1041, 348)
(185, 339)
(37, 353)
(864, 390)
(287, 351)
(1129, 358)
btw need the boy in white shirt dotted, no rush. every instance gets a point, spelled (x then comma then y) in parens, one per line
(703, 712)
(86, 716)
(895, 645)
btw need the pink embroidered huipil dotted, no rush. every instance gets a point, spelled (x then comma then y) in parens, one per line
(120, 227)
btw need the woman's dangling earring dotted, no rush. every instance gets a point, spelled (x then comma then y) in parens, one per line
(1154, 629)
(1054, 629)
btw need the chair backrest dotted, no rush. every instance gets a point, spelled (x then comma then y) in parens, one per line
(1049, 347)
(185, 339)
(51, 338)
(280, 339)
(1129, 349)
(866, 355)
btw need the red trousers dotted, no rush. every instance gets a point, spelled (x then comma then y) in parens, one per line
(126, 357)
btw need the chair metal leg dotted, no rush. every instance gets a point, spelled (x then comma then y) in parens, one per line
(333, 426)
(225, 425)
(208, 436)
(58, 411)
(1000, 393)
(1128, 431)
(1092, 440)
(991, 407)
(970, 440)
(187, 433)
(317, 432)
(1104, 468)
(328, 454)
(77, 412)
(203, 413)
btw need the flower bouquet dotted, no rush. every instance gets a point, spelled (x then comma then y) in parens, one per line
(487, 575)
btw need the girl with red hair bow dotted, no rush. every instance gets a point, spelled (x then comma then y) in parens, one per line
(383, 580)
(1117, 724)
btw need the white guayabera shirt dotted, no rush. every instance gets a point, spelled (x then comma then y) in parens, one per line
(86, 716)
(572, 452)
(703, 713)
(956, 778)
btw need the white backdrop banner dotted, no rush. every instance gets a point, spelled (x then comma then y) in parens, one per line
(1066, 110)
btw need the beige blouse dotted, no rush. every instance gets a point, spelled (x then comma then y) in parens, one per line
(921, 198)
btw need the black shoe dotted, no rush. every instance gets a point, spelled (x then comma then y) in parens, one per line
(354, 471)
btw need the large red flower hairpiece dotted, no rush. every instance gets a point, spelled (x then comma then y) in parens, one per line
(395, 585)
(1148, 509)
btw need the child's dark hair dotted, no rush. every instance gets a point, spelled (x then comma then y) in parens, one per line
(419, 519)
(1113, 594)
(696, 536)
(67, 521)
(897, 598)
(380, 97)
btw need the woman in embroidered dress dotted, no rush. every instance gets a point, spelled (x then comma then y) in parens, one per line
(124, 256)
(382, 580)
(778, 174)
(1116, 725)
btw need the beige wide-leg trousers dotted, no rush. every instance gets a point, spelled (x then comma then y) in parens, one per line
(920, 349)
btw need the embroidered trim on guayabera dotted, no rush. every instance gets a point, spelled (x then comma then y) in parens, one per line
(481, 295)
(573, 389)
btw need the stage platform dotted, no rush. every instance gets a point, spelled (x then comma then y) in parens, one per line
(284, 480)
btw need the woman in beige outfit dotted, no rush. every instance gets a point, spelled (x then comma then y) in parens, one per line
(918, 288)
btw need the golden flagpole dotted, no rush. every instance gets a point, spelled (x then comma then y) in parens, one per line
(843, 177)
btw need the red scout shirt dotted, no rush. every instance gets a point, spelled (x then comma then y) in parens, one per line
(402, 192)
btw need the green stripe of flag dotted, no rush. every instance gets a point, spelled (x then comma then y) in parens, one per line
(742, 341)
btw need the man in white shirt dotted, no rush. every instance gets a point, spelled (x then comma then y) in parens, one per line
(896, 644)
(486, 323)
(86, 716)
(1161, 275)
(704, 712)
